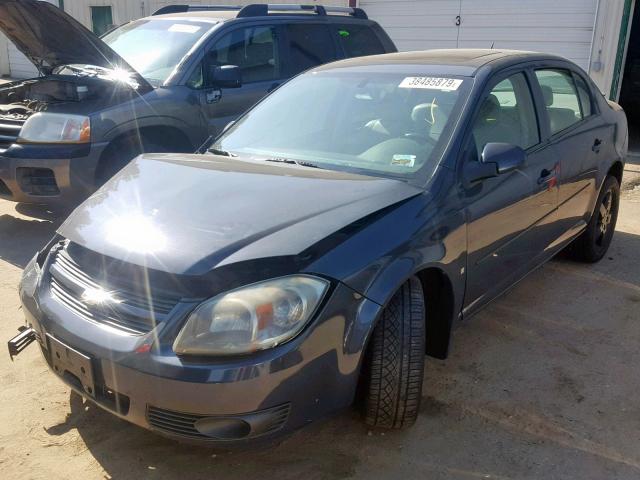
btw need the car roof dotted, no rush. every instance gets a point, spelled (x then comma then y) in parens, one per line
(467, 60)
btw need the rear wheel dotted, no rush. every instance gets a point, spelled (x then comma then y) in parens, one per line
(394, 362)
(594, 242)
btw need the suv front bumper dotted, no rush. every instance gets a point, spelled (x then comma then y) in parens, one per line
(49, 174)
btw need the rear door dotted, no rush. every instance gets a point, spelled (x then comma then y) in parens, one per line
(511, 217)
(578, 136)
(257, 50)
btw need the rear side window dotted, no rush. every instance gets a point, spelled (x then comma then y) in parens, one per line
(560, 98)
(584, 94)
(359, 40)
(309, 45)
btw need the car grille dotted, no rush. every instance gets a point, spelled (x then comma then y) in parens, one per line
(183, 424)
(9, 131)
(124, 308)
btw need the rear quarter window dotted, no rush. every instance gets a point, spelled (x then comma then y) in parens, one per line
(359, 40)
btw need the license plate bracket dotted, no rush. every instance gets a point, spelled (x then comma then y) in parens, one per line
(66, 359)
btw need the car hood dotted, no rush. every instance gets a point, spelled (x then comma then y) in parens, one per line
(188, 214)
(50, 38)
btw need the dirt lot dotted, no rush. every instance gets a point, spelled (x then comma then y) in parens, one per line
(543, 384)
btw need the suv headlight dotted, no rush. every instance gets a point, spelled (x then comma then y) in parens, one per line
(251, 318)
(43, 127)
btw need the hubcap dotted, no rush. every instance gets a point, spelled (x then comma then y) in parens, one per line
(604, 219)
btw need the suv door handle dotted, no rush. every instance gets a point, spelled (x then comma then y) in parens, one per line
(596, 145)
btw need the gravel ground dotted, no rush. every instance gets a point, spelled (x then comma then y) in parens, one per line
(542, 384)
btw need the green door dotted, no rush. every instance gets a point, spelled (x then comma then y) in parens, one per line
(101, 19)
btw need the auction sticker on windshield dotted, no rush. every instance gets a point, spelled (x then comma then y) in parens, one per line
(432, 83)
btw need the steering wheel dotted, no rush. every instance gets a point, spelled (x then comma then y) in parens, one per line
(422, 139)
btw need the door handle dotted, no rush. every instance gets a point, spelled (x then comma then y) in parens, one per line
(546, 175)
(596, 145)
(273, 87)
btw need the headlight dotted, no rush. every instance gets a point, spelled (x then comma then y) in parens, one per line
(45, 127)
(251, 318)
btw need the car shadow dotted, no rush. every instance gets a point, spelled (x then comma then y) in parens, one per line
(23, 234)
(469, 400)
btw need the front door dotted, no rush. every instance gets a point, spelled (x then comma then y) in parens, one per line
(511, 217)
(256, 50)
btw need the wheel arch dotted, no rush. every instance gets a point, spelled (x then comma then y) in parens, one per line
(155, 134)
(616, 170)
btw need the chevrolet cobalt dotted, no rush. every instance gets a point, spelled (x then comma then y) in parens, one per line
(326, 242)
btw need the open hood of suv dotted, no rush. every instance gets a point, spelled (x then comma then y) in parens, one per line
(50, 38)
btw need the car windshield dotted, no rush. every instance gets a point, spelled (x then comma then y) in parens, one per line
(155, 47)
(388, 124)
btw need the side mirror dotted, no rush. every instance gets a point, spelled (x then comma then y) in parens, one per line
(505, 156)
(224, 76)
(497, 159)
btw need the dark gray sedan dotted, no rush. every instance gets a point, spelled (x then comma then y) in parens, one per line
(326, 243)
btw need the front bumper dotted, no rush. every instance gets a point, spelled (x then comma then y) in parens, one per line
(216, 400)
(48, 174)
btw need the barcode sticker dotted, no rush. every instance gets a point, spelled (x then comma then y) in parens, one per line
(431, 83)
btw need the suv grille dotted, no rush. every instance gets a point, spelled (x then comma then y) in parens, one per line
(9, 130)
(113, 302)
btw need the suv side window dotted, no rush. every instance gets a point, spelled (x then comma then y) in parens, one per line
(359, 40)
(309, 45)
(254, 49)
(584, 94)
(507, 115)
(560, 98)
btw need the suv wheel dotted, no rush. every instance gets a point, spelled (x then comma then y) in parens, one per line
(594, 242)
(394, 362)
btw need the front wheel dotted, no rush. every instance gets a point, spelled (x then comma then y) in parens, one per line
(394, 362)
(594, 242)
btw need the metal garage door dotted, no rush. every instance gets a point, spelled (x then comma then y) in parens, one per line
(563, 27)
(19, 65)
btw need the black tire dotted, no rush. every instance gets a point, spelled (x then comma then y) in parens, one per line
(394, 362)
(593, 243)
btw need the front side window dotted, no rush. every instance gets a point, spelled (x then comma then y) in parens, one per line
(560, 98)
(155, 47)
(391, 124)
(507, 115)
(253, 49)
(359, 40)
(309, 45)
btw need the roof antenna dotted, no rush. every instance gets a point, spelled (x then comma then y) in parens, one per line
(492, 44)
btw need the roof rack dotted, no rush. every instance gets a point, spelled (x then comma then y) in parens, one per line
(263, 9)
(194, 8)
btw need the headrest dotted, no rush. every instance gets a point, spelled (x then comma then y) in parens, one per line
(547, 94)
(490, 108)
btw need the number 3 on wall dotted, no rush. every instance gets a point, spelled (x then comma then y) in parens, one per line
(458, 20)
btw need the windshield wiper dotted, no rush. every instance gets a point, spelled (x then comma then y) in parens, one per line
(289, 161)
(218, 151)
